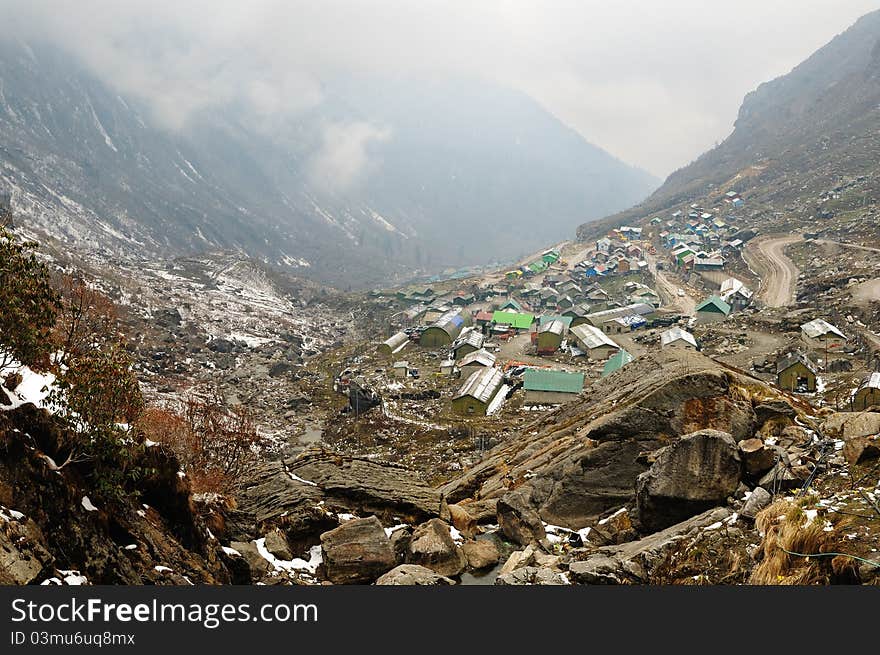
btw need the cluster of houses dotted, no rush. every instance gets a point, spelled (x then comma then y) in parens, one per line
(699, 239)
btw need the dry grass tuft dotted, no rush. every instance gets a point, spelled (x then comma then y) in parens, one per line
(785, 528)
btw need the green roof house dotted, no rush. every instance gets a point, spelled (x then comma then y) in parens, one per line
(515, 320)
(547, 387)
(617, 362)
(712, 310)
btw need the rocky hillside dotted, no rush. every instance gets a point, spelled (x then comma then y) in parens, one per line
(384, 178)
(797, 137)
(52, 531)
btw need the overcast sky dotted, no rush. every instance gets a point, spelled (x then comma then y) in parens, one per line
(654, 82)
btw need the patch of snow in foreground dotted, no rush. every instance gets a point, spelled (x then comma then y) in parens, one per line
(87, 504)
(34, 387)
(73, 578)
(296, 564)
(162, 569)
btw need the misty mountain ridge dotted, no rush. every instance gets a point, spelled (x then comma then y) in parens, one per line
(382, 179)
(795, 137)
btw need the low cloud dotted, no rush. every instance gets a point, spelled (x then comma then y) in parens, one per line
(346, 155)
(655, 83)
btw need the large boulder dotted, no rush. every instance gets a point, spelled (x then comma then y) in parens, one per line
(257, 564)
(848, 425)
(432, 546)
(756, 457)
(23, 559)
(357, 552)
(413, 575)
(481, 554)
(518, 519)
(861, 449)
(531, 575)
(305, 494)
(692, 475)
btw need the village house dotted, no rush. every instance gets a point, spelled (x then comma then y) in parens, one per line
(516, 320)
(400, 369)
(467, 343)
(623, 324)
(477, 360)
(393, 344)
(796, 373)
(678, 338)
(711, 310)
(549, 337)
(578, 314)
(735, 293)
(819, 334)
(445, 330)
(638, 309)
(548, 387)
(867, 394)
(594, 342)
(616, 362)
(478, 391)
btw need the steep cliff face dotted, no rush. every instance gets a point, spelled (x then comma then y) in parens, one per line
(54, 529)
(795, 137)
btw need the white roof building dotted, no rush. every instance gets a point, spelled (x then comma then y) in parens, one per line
(675, 334)
(819, 328)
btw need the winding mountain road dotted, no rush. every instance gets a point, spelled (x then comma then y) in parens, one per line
(766, 257)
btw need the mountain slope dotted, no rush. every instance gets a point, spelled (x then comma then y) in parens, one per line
(795, 137)
(447, 173)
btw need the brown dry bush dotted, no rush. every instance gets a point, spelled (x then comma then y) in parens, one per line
(784, 526)
(214, 444)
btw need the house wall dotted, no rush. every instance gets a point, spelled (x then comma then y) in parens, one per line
(549, 342)
(602, 352)
(866, 398)
(464, 349)
(835, 344)
(469, 405)
(433, 337)
(548, 397)
(704, 318)
(787, 379)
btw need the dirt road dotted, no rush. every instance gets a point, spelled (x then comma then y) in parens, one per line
(766, 257)
(668, 291)
(848, 245)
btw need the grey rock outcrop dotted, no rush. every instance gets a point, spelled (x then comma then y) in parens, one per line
(357, 552)
(413, 575)
(698, 472)
(432, 546)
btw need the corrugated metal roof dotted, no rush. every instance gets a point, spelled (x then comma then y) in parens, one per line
(592, 337)
(639, 308)
(617, 362)
(514, 319)
(676, 333)
(549, 318)
(538, 379)
(472, 338)
(713, 301)
(482, 357)
(396, 340)
(819, 327)
(482, 385)
(556, 327)
(792, 358)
